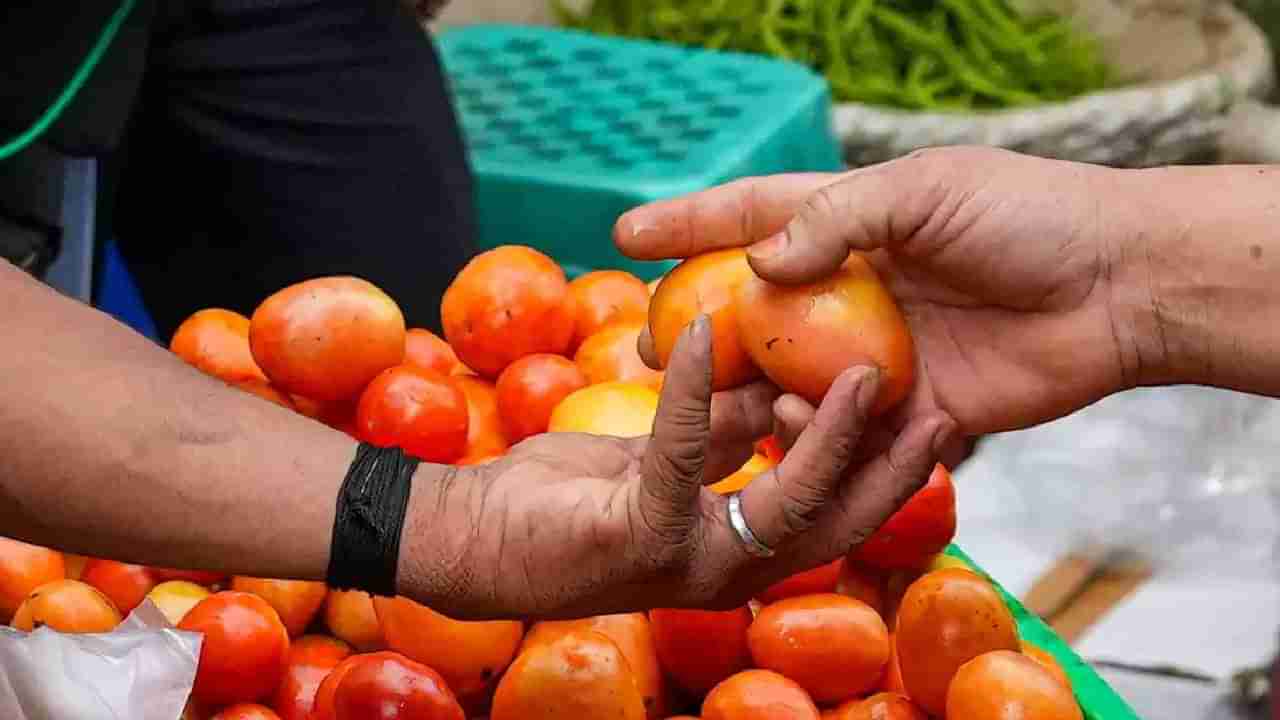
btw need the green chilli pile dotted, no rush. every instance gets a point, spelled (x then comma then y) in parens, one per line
(958, 55)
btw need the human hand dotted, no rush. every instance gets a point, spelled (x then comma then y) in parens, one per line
(1002, 264)
(570, 525)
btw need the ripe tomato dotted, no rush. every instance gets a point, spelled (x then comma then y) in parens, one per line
(862, 583)
(881, 706)
(420, 411)
(804, 336)
(506, 303)
(943, 560)
(819, 580)
(531, 388)
(323, 706)
(327, 338)
(603, 297)
(296, 601)
(387, 685)
(1049, 662)
(1004, 684)
(771, 448)
(892, 680)
(266, 391)
(921, 528)
(754, 467)
(705, 285)
(246, 711)
(349, 615)
(216, 342)
(895, 586)
(426, 350)
(68, 606)
(125, 585)
(611, 355)
(175, 598)
(339, 415)
(947, 618)
(486, 437)
(758, 695)
(700, 648)
(582, 674)
(311, 659)
(616, 409)
(835, 647)
(245, 648)
(74, 565)
(24, 568)
(199, 577)
(470, 655)
(633, 635)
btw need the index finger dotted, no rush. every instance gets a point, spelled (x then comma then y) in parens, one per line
(732, 215)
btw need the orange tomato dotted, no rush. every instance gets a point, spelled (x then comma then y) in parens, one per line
(862, 583)
(819, 580)
(895, 586)
(323, 708)
(68, 606)
(531, 388)
(311, 659)
(616, 409)
(425, 349)
(582, 674)
(758, 695)
(1049, 662)
(125, 585)
(296, 601)
(918, 531)
(266, 391)
(804, 336)
(175, 598)
(246, 711)
(470, 655)
(700, 648)
(611, 355)
(24, 568)
(603, 297)
(485, 435)
(74, 565)
(327, 338)
(387, 685)
(881, 706)
(339, 415)
(947, 618)
(633, 635)
(216, 342)
(705, 284)
(834, 646)
(420, 411)
(1004, 684)
(199, 577)
(892, 680)
(244, 651)
(506, 303)
(349, 615)
(756, 466)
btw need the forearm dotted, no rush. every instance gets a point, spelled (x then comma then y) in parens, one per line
(1199, 275)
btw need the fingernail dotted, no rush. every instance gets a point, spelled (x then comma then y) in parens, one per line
(942, 436)
(868, 387)
(770, 247)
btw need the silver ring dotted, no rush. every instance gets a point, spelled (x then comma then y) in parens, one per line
(738, 522)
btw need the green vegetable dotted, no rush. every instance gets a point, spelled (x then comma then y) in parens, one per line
(958, 55)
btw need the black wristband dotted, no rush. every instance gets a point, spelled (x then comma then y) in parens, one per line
(365, 553)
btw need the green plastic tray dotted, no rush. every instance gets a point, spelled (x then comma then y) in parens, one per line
(1095, 696)
(566, 131)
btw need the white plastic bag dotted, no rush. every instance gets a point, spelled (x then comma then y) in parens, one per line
(144, 670)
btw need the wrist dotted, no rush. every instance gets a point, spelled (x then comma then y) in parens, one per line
(435, 536)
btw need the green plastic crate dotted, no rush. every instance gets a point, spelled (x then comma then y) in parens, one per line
(1096, 698)
(567, 130)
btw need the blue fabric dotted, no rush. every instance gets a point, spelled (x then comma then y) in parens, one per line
(118, 296)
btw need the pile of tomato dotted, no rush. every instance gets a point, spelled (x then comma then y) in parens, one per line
(894, 631)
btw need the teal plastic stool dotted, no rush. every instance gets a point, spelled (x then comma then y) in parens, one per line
(567, 130)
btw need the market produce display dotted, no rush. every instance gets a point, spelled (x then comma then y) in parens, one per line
(917, 54)
(893, 631)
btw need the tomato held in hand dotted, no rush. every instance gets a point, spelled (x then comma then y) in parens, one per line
(311, 659)
(387, 685)
(947, 618)
(507, 303)
(582, 674)
(216, 342)
(426, 350)
(921, 528)
(754, 467)
(530, 389)
(68, 606)
(1004, 684)
(834, 646)
(350, 616)
(758, 695)
(611, 355)
(244, 651)
(296, 601)
(603, 297)
(881, 706)
(700, 648)
(422, 412)
(246, 711)
(819, 580)
(124, 584)
(24, 568)
(771, 448)
(486, 437)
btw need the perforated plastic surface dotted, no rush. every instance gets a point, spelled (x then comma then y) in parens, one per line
(567, 130)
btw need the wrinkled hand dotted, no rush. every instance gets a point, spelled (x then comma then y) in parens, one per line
(572, 525)
(1001, 263)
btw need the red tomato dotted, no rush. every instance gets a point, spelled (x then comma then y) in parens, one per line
(216, 342)
(420, 411)
(531, 388)
(199, 577)
(426, 350)
(882, 706)
(1004, 684)
(124, 584)
(862, 583)
(486, 437)
(758, 695)
(245, 648)
(821, 579)
(771, 448)
(323, 707)
(24, 568)
(387, 685)
(297, 602)
(311, 659)
(892, 680)
(700, 648)
(919, 530)
(246, 711)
